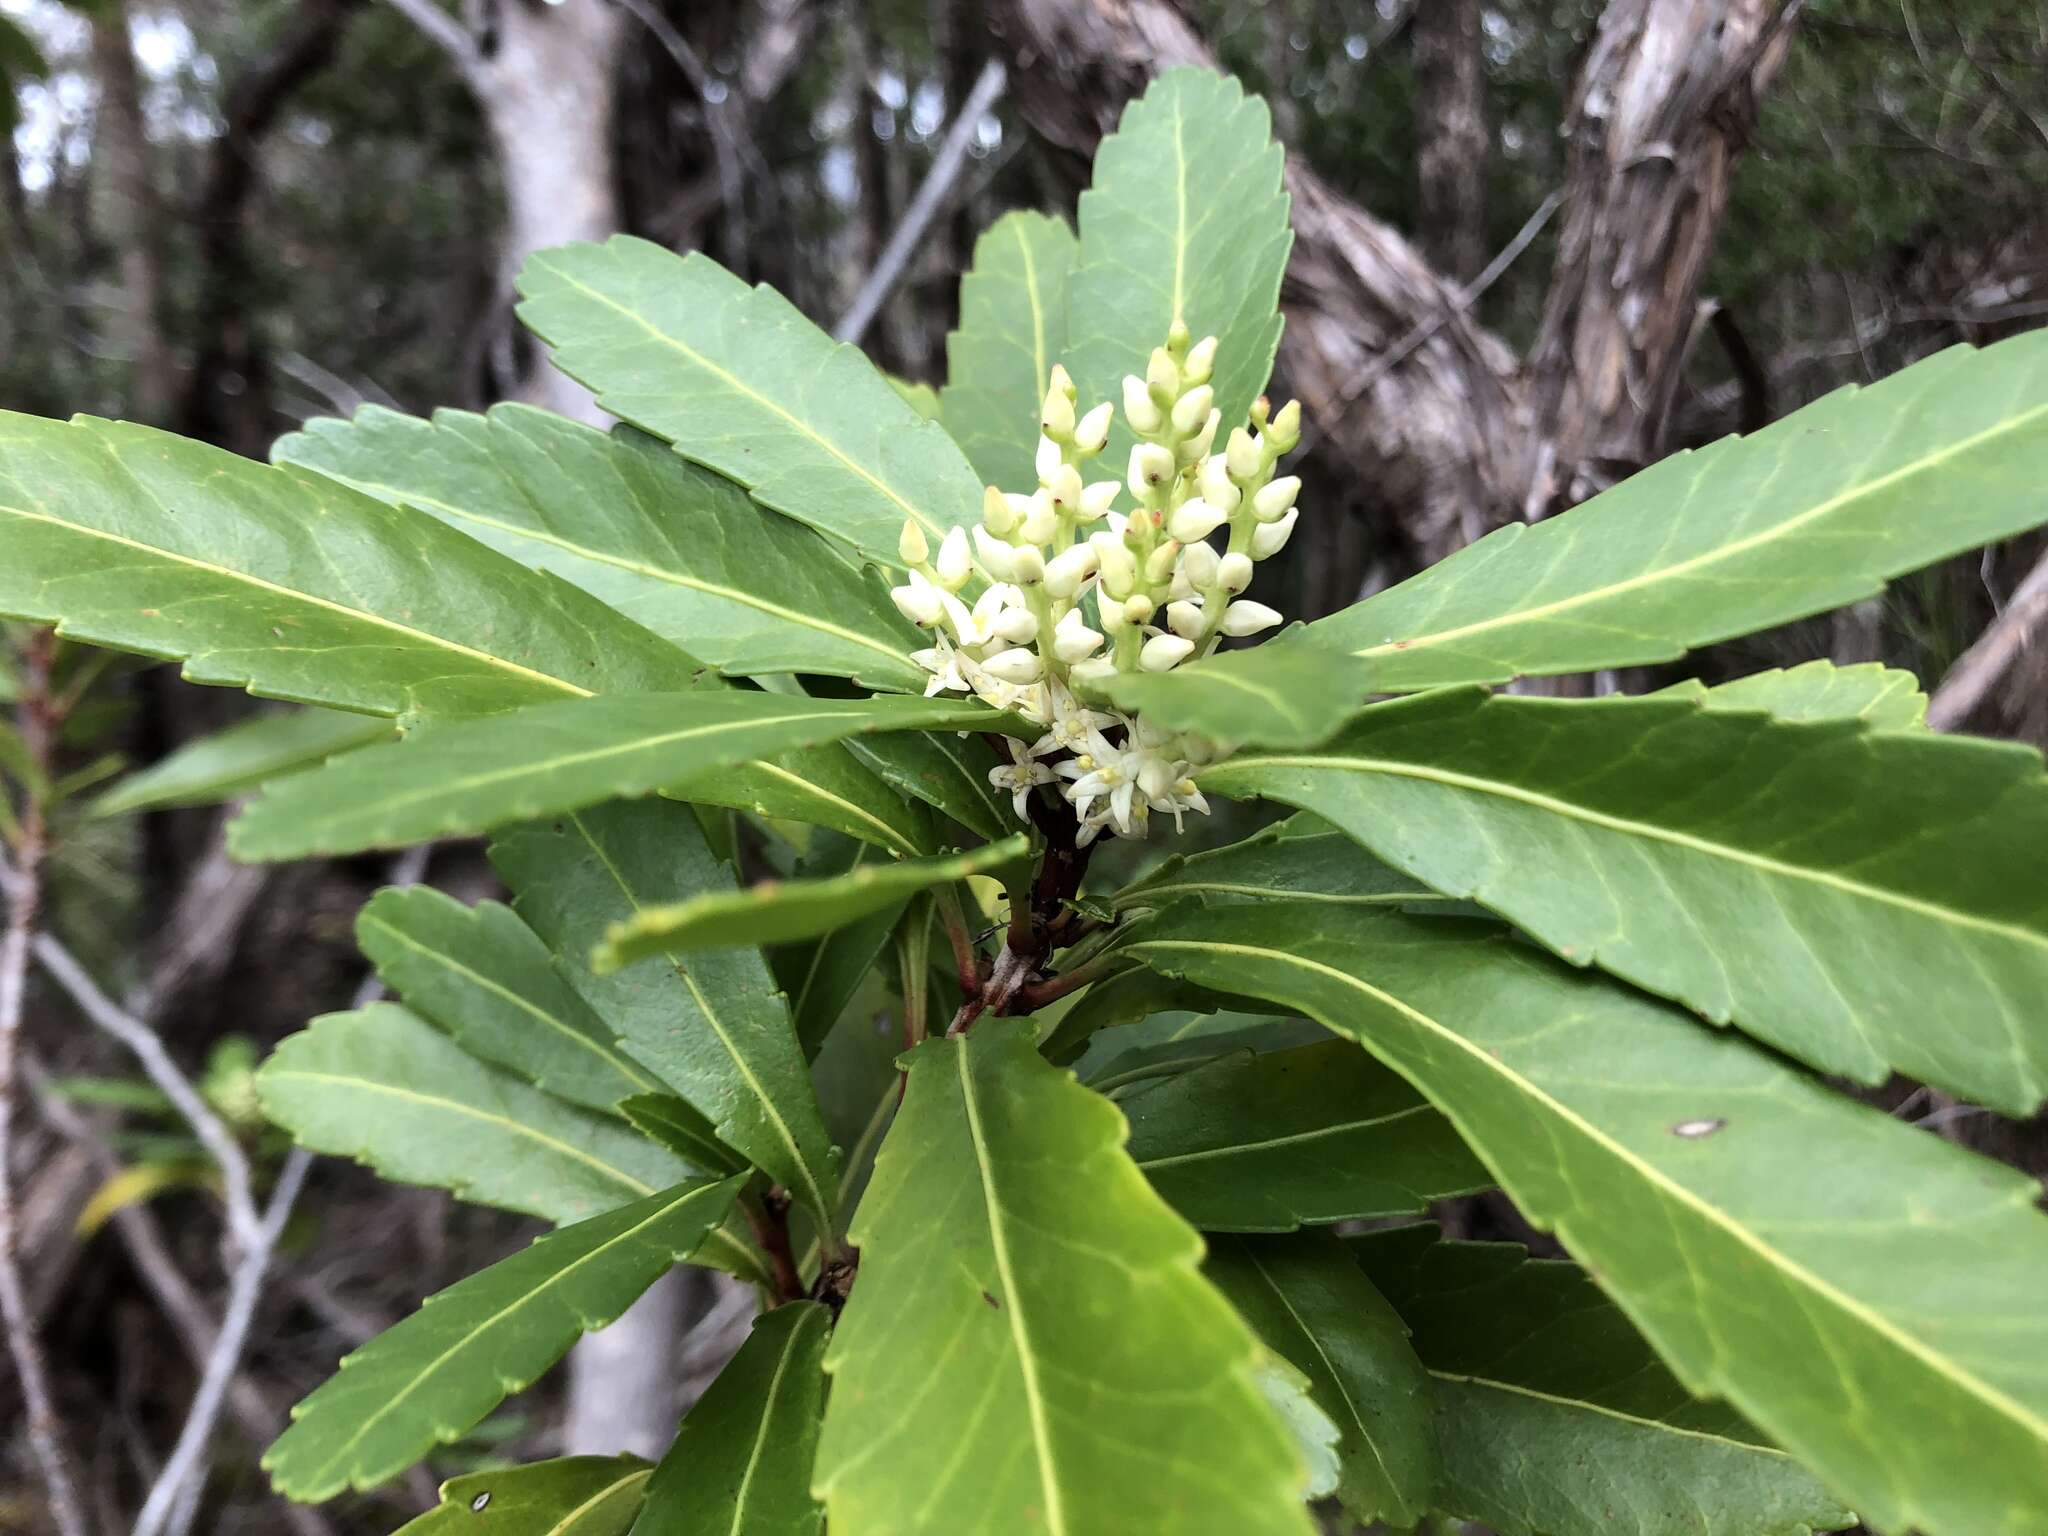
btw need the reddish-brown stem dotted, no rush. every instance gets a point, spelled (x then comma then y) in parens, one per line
(965, 960)
(1035, 995)
(769, 1217)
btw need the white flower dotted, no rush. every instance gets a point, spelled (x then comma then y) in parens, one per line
(1241, 455)
(1184, 619)
(1069, 570)
(1139, 410)
(1244, 617)
(1194, 520)
(944, 661)
(1016, 665)
(1048, 459)
(1162, 653)
(997, 556)
(955, 562)
(1268, 539)
(977, 626)
(1023, 773)
(1092, 433)
(1198, 562)
(1192, 409)
(1151, 467)
(1274, 499)
(919, 601)
(1095, 500)
(1234, 573)
(910, 544)
(1201, 361)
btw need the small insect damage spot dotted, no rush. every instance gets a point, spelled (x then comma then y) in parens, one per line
(1697, 1130)
(990, 1298)
(477, 1504)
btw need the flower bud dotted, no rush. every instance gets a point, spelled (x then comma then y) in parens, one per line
(1193, 521)
(1093, 670)
(1015, 665)
(1027, 565)
(1139, 410)
(1192, 409)
(1095, 500)
(1047, 460)
(919, 603)
(1066, 571)
(1162, 653)
(1139, 608)
(1198, 563)
(1092, 431)
(1056, 415)
(1217, 487)
(911, 545)
(1040, 523)
(1184, 619)
(955, 562)
(1285, 432)
(1234, 573)
(1151, 469)
(996, 556)
(1072, 639)
(1274, 500)
(1112, 619)
(1161, 563)
(1196, 448)
(1245, 617)
(1019, 626)
(1118, 565)
(1268, 539)
(1180, 589)
(1065, 489)
(996, 513)
(1201, 361)
(1242, 456)
(1162, 378)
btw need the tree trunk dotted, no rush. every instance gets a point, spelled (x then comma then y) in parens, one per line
(1452, 145)
(129, 214)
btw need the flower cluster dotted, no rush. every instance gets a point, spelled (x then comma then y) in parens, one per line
(1073, 591)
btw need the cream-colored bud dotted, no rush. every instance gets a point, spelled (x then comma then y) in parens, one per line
(1092, 431)
(1159, 565)
(956, 562)
(1065, 489)
(1019, 626)
(1156, 776)
(1015, 665)
(1192, 409)
(1234, 573)
(996, 556)
(1027, 565)
(1193, 521)
(1268, 539)
(1162, 653)
(997, 515)
(1096, 499)
(1072, 639)
(1245, 617)
(1139, 410)
(918, 603)
(1047, 460)
(1151, 469)
(1162, 377)
(1112, 618)
(1242, 456)
(1198, 564)
(1056, 414)
(1184, 619)
(1118, 565)
(1069, 569)
(1286, 429)
(1139, 608)
(1041, 522)
(1093, 670)
(1272, 501)
(1217, 487)
(1201, 363)
(1196, 448)
(1180, 588)
(911, 545)
(1061, 382)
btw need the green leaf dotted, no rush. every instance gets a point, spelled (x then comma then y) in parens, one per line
(1053, 1322)
(1819, 690)
(683, 551)
(741, 1464)
(823, 975)
(575, 1496)
(1013, 328)
(283, 582)
(459, 777)
(388, 1090)
(1185, 219)
(1138, 1056)
(221, 765)
(921, 398)
(669, 1120)
(1123, 998)
(715, 1029)
(1815, 511)
(943, 769)
(742, 383)
(778, 911)
(1284, 693)
(1303, 858)
(484, 977)
(434, 1376)
(1893, 874)
(1306, 1299)
(1271, 1142)
(1534, 1370)
(1810, 1259)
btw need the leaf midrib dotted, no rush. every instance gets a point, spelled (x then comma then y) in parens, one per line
(567, 1523)
(1692, 843)
(1650, 1174)
(739, 1503)
(1293, 1138)
(1584, 1405)
(1709, 557)
(860, 813)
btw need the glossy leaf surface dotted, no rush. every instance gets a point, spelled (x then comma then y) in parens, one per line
(221, 765)
(575, 1496)
(1013, 328)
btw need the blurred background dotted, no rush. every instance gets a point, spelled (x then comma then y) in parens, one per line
(1539, 244)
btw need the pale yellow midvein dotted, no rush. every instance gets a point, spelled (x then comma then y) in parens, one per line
(1648, 1172)
(1041, 365)
(1013, 1307)
(896, 839)
(1180, 226)
(1336, 1376)
(1708, 557)
(1564, 808)
(739, 1503)
(1583, 1405)
(567, 1523)
(1200, 1154)
(358, 614)
(733, 379)
(1333, 898)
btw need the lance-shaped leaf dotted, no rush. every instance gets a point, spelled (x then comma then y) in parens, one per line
(1888, 878)
(711, 1024)
(1184, 220)
(219, 766)
(1013, 328)
(945, 770)
(1879, 696)
(387, 1089)
(1811, 1260)
(670, 1121)
(1123, 998)
(1303, 858)
(741, 1464)
(1815, 511)
(823, 975)
(433, 1377)
(1132, 1060)
(283, 582)
(824, 786)
(681, 550)
(1022, 1286)
(486, 978)
(458, 777)
(1305, 1298)
(575, 1496)
(780, 911)
(741, 382)
(1534, 1371)
(1271, 1142)
(1285, 693)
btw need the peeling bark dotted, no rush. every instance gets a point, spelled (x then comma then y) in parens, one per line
(1453, 148)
